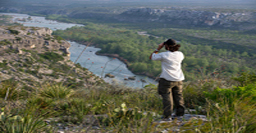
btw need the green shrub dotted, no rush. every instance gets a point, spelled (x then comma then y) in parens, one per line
(20, 69)
(71, 83)
(52, 56)
(47, 38)
(221, 94)
(58, 38)
(9, 51)
(18, 38)
(14, 31)
(122, 116)
(5, 42)
(99, 106)
(246, 91)
(55, 91)
(193, 96)
(246, 78)
(78, 109)
(2, 65)
(233, 93)
(39, 103)
(32, 72)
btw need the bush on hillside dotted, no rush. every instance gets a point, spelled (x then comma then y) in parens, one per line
(52, 56)
(5, 42)
(15, 32)
(246, 89)
(246, 78)
(230, 115)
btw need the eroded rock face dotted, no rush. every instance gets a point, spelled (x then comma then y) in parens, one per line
(39, 39)
(187, 17)
(41, 32)
(33, 56)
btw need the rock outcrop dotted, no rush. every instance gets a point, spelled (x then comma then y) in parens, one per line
(33, 56)
(39, 39)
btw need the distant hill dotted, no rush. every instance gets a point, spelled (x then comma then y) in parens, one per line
(190, 17)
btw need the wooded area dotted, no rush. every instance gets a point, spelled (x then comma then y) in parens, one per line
(201, 60)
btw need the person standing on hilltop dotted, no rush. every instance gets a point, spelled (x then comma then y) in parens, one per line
(170, 83)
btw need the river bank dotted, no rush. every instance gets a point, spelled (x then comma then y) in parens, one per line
(121, 59)
(127, 63)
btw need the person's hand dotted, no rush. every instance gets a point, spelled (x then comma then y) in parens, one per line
(161, 45)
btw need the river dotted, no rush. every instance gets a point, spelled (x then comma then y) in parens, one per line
(99, 65)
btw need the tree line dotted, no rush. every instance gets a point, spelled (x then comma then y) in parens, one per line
(200, 60)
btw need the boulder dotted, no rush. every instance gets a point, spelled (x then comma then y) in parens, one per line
(143, 81)
(5, 72)
(45, 71)
(109, 75)
(132, 78)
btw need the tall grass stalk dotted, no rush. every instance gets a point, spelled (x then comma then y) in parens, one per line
(55, 91)
(239, 116)
(7, 93)
(9, 90)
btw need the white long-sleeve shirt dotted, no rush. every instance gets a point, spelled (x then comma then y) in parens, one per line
(171, 65)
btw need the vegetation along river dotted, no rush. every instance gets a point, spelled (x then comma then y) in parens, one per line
(99, 65)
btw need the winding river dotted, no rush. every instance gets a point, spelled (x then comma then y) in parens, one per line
(99, 65)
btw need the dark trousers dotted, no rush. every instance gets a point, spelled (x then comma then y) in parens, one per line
(171, 92)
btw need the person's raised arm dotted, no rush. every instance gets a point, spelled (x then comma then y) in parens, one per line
(160, 46)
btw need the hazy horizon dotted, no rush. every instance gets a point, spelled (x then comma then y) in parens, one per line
(168, 1)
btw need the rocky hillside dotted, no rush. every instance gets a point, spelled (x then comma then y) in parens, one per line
(188, 17)
(32, 56)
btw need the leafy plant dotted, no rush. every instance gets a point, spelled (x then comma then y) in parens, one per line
(14, 31)
(246, 78)
(52, 56)
(58, 38)
(39, 102)
(239, 92)
(3, 64)
(5, 42)
(55, 91)
(193, 95)
(99, 107)
(122, 116)
(22, 124)
(78, 109)
(18, 38)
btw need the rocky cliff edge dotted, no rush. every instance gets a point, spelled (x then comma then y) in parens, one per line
(33, 56)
